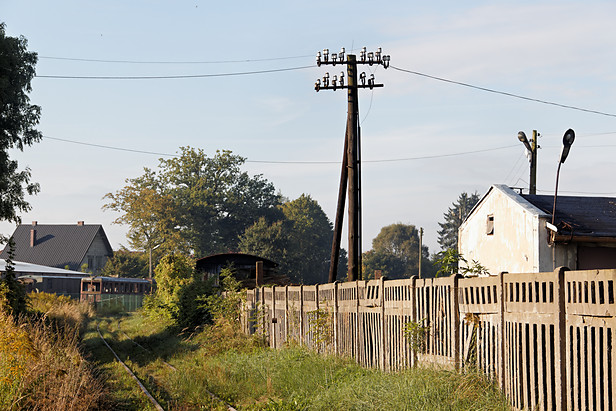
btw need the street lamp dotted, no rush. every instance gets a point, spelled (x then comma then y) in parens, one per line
(532, 147)
(568, 139)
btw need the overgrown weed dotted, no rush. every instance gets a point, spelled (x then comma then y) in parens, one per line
(41, 366)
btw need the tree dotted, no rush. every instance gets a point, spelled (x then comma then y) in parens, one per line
(194, 203)
(453, 218)
(300, 242)
(125, 263)
(17, 121)
(395, 251)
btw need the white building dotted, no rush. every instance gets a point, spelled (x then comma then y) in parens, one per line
(508, 231)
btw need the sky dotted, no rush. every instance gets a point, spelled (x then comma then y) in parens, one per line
(424, 140)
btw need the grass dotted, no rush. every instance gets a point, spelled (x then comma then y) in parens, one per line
(41, 364)
(251, 377)
(55, 359)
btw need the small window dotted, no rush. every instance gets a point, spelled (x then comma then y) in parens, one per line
(490, 224)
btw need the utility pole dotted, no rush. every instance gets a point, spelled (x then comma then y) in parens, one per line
(532, 147)
(352, 157)
(420, 246)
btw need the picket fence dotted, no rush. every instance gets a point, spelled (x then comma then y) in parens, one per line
(546, 338)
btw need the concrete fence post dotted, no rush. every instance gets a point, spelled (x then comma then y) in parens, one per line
(560, 345)
(455, 314)
(383, 336)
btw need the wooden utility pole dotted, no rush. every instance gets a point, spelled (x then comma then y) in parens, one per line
(532, 147)
(353, 167)
(352, 152)
(344, 175)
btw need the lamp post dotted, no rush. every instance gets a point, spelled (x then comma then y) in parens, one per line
(532, 147)
(568, 139)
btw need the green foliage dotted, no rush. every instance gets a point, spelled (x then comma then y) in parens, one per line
(453, 218)
(125, 263)
(179, 295)
(449, 262)
(193, 202)
(226, 305)
(320, 322)
(17, 121)
(300, 241)
(415, 333)
(395, 251)
(12, 294)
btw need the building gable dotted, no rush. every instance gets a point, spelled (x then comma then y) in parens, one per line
(59, 245)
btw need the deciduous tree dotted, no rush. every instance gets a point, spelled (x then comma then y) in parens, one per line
(300, 242)
(395, 251)
(194, 203)
(18, 119)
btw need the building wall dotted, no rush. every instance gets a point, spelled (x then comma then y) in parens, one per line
(97, 255)
(515, 243)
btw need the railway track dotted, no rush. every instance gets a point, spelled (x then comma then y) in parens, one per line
(141, 386)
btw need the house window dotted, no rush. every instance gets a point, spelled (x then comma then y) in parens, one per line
(490, 224)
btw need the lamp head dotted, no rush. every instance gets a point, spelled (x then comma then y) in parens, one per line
(524, 140)
(568, 139)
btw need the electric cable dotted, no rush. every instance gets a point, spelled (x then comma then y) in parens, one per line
(288, 162)
(504, 93)
(173, 77)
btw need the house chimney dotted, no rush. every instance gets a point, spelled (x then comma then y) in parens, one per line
(32, 237)
(79, 223)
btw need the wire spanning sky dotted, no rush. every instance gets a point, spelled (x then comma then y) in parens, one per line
(122, 84)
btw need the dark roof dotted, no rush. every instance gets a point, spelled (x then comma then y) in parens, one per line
(57, 245)
(580, 216)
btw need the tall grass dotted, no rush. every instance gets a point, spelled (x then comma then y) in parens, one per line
(41, 366)
(250, 376)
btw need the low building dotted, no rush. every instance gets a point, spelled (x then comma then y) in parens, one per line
(244, 266)
(68, 246)
(509, 231)
(39, 278)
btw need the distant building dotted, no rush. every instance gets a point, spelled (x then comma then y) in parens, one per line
(244, 266)
(40, 278)
(62, 245)
(508, 231)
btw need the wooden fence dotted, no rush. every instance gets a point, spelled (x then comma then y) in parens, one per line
(548, 339)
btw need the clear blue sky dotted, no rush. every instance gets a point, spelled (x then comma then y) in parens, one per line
(558, 51)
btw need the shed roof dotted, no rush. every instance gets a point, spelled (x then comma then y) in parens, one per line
(56, 245)
(579, 216)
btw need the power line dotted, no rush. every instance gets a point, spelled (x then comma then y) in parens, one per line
(504, 93)
(169, 61)
(182, 76)
(284, 162)
(110, 147)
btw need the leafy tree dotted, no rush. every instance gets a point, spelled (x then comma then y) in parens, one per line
(150, 213)
(17, 121)
(125, 263)
(452, 262)
(453, 218)
(300, 242)
(395, 251)
(194, 203)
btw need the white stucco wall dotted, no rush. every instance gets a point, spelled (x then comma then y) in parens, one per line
(517, 244)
